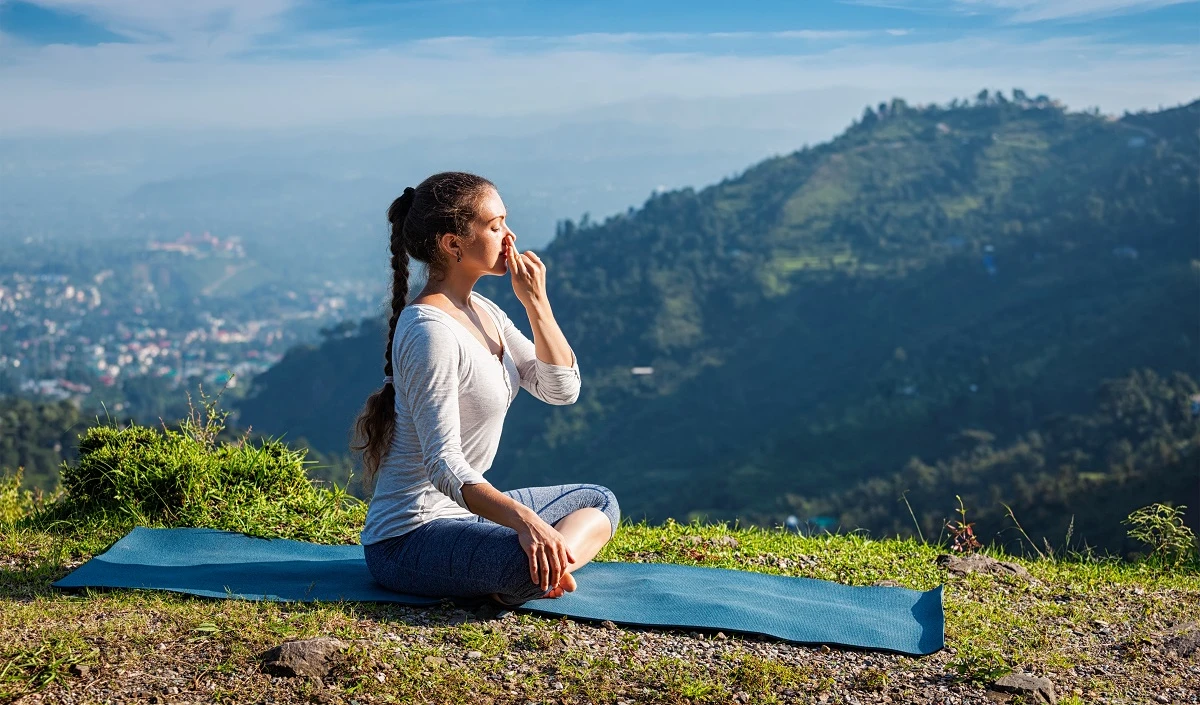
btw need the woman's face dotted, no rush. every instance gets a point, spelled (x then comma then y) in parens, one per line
(493, 237)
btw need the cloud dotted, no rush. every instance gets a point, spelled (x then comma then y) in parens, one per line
(195, 27)
(1027, 11)
(1040, 10)
(224, 64)
(668, 38)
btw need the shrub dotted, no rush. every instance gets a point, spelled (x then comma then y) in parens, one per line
(141, 475)
(1161, 527)
(16, 503)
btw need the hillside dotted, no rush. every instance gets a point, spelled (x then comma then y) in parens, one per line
(1100, 630)
(824, 318)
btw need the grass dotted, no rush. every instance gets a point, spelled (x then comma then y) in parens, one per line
(1086, 621)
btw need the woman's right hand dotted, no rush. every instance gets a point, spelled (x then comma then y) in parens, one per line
(548, 552)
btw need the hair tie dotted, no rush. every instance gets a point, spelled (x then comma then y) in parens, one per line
(387, 380)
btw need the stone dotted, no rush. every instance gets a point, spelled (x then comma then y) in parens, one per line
(727, 541)
(886, 583)
(694, 540)
(79, 669)
(608, 624)
(474, 654)
(304, 657)
(1183, 640)
(1035, 688)
(435, 661)
(979, 563)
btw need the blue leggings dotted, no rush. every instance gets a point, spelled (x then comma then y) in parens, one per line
(473, 556)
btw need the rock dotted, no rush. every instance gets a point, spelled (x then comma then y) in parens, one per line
(727, 541)
(474, 654)
(694, 540)
(434, 661)
(79, 669)
(887, 583)
(303, 657)
(1184, 640)
(1039, 690)
(979, 563)
(608, 624)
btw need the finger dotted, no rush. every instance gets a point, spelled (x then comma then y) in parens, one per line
(533, 565)
(533, 256)
(565, 559)
(544, 573)
(514, 262)
(555, 568)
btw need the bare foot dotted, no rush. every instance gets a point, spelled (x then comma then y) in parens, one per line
(565, 584)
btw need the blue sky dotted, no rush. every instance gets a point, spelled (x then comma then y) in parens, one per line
(92, 65)
(382, 23)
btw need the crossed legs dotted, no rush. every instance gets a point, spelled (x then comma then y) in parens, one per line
(586, 531)
(473, 556)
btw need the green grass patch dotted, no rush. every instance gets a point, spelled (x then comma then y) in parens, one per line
(1077, 610)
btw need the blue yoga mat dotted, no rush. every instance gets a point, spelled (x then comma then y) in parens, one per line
(226, 564)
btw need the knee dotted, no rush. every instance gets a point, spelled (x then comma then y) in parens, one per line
(608, 504)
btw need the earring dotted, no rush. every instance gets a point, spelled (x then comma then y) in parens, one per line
(459, 256)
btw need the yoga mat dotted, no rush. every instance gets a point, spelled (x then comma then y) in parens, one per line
(214, 563)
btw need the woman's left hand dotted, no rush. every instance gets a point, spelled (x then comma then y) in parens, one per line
(528, 274)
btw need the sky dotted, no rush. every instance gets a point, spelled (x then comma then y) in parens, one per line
(79, 66)
(226, 113)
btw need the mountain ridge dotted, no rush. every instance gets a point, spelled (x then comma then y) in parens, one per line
(924, 248)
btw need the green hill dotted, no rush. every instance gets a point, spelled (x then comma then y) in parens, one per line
(823, 319)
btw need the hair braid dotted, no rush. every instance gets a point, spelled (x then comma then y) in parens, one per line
(445, 202)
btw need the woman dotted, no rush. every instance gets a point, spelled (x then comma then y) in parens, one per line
(435, 526)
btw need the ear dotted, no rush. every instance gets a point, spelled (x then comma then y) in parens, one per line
(447, 242)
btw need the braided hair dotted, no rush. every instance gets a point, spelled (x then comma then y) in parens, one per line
(443, 203)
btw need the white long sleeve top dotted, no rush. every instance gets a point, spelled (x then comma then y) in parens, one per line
(452, 395)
